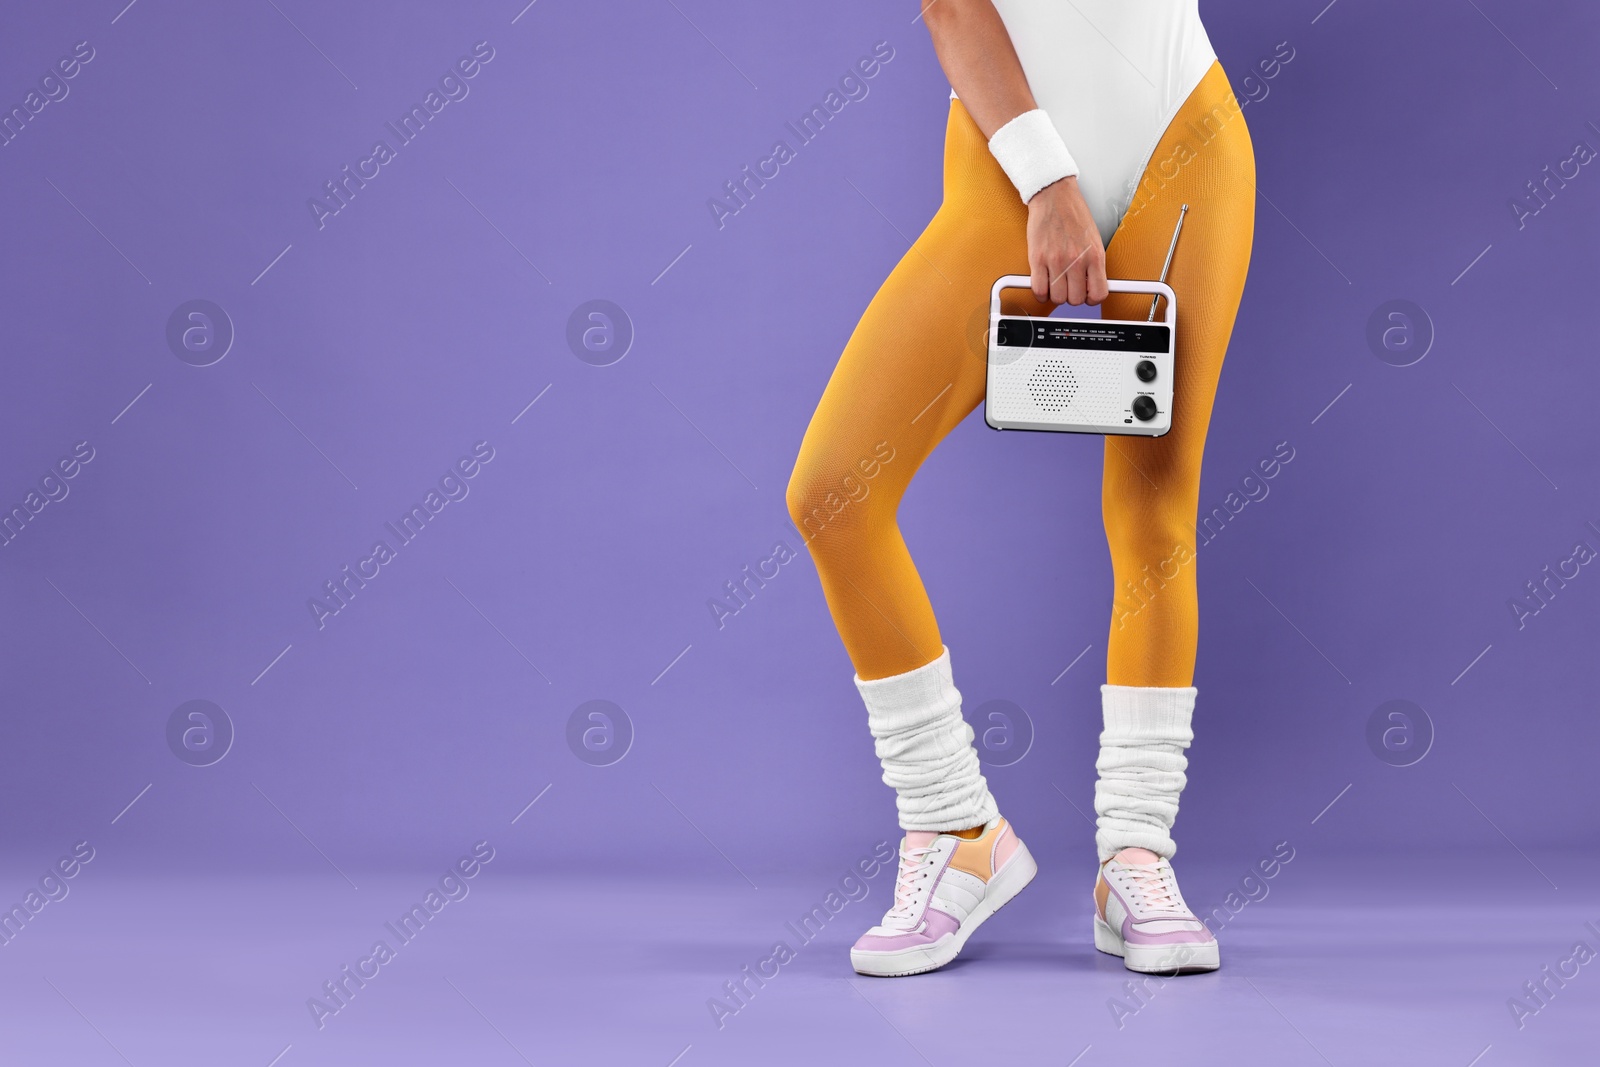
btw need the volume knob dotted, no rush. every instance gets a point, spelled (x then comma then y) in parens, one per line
(1144, 409)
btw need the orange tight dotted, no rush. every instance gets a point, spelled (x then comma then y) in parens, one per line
(915, 367)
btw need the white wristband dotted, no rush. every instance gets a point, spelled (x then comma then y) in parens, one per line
(1031, 152)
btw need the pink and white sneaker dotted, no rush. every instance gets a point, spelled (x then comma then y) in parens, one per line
(946, 888)
(1139, 914)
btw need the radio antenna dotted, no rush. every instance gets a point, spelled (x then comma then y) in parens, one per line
(1170, 249)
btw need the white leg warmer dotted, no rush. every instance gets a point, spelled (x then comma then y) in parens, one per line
(1141, 767)
(926, 750)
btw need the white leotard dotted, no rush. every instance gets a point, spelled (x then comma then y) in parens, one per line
(1111, 74)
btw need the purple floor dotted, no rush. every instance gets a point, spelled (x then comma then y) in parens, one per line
(1342, 961)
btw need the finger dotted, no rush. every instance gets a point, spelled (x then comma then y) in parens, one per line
(1063, 276)
(1098, 289)
(1077, 281)
(1058, 282)
(1040, 277)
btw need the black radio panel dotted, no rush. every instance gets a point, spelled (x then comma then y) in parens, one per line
(1084, 334)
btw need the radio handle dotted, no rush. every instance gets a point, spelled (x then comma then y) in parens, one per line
(1115, 285)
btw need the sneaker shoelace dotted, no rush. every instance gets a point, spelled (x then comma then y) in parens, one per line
(1157, 888)
(915, 866)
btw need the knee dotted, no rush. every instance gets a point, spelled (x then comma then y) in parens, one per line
(834, 506)
(1151, 564)
(1158, 532)
(801, 493)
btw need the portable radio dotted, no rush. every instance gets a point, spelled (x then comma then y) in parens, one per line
(1106, 376)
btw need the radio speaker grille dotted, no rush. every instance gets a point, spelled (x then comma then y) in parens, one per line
(1052, 384)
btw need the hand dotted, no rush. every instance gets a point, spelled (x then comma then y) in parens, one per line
(1065, 255)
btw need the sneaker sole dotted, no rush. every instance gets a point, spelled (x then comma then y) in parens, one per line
(1156, 959)
(1006, 884)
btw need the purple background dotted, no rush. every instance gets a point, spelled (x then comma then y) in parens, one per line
(372, 353)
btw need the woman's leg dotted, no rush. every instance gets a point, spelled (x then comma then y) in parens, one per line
(1150, 503)
(1151, 489)
(914, 368)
